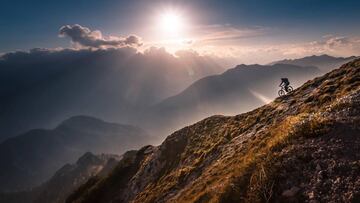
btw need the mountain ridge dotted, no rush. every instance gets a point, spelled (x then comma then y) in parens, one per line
(32, 157)
(325, 62)
(42, 87)
(284, 151)
(236, 90)
(65, 180)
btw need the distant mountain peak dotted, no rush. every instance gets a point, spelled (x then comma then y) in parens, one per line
(34, 156)
(80, 121)
(324, 62)
(88, 158)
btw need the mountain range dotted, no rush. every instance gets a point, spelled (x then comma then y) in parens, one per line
(324, 62)
(302, 147)
(40, 88)
(65, 180)
(237, 90)
(32, 158)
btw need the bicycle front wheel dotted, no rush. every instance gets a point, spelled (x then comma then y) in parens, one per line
(290, 89)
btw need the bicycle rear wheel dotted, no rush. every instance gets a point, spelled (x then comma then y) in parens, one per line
(281, 93)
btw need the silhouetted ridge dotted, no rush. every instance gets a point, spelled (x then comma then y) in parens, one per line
(31, 158)
(236, 90)
(324, 62)
(81, 121)
(88, 158)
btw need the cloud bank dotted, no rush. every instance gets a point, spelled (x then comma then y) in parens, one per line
(228, 33)
(227, 44)
(265, 53)
(84, 37)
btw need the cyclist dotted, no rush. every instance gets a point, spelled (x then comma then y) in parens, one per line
(286, 83)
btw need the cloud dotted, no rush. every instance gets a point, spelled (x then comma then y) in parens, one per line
(333, 45)
(266, 53)
(227, 32)
(84, 37)
(332, 42)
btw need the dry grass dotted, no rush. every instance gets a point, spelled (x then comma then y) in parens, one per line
(255, 173)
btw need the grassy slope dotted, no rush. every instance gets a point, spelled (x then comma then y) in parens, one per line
(252, 157)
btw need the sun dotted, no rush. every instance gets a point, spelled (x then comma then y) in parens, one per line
(171, 24)
(172, 29)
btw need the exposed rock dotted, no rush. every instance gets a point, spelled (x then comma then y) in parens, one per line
(291, 192)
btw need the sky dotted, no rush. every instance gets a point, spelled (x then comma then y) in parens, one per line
(250, 31)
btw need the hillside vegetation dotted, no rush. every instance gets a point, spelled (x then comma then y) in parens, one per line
(304, 146)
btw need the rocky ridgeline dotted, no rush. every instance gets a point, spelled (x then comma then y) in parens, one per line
(303, 147)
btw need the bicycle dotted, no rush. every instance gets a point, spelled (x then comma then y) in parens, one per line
(283, 91)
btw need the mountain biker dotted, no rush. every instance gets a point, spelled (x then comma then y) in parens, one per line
(286, 83)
